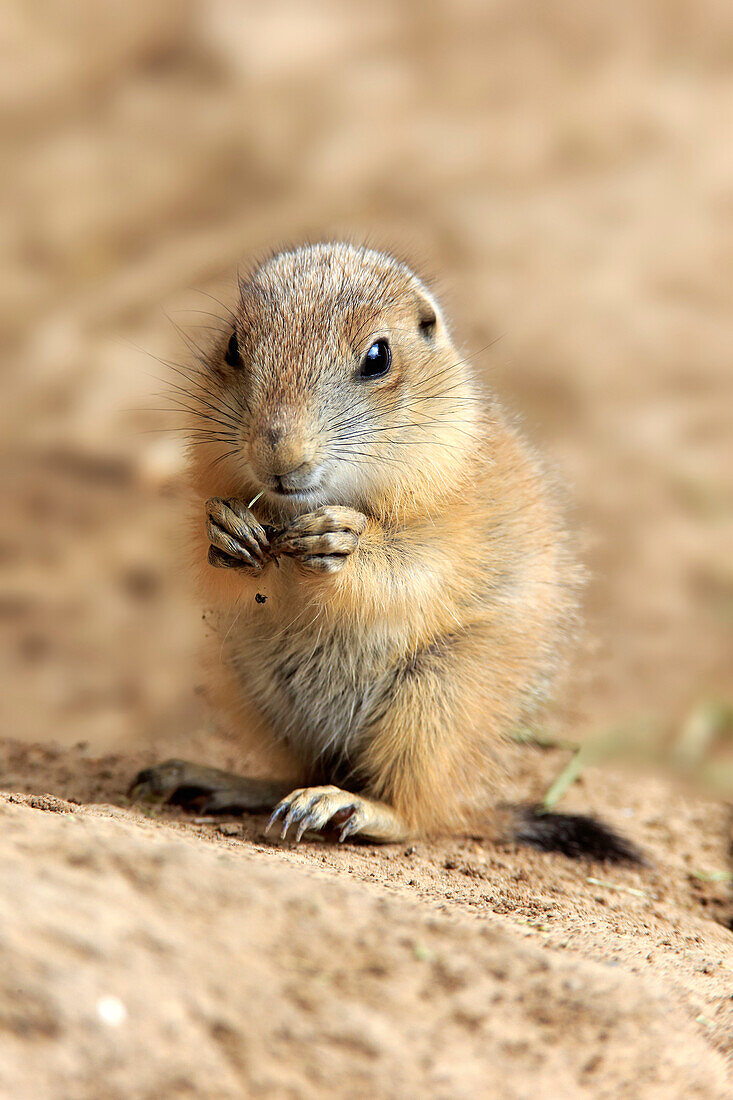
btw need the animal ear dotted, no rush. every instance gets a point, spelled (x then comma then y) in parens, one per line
(427, 316)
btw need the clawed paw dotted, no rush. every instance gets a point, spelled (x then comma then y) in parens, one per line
(238, 540)
(322, 541)
(313, 808)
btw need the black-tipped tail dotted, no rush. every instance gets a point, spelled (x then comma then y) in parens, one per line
(577, 836)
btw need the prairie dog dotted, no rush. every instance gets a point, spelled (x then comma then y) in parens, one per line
(390, 569)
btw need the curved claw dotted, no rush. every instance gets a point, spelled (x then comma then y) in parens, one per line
(276, 813)
(350, 826)
(295, 813)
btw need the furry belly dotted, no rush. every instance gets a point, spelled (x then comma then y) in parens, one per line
(318, 691)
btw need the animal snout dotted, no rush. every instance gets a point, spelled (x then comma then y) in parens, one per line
(281, 454)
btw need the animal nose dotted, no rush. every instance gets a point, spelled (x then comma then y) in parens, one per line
(287, 460)
(281, 448)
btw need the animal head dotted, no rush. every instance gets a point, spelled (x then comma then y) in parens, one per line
(337, 382)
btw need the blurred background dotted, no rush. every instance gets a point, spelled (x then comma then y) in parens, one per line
(564, 170)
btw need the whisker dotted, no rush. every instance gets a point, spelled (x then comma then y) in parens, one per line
(219, 303)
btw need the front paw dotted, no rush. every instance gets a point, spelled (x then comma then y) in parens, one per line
(238, 540)
(322, 540)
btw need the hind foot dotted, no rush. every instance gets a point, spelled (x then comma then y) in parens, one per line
(205, 790)
(313, 809)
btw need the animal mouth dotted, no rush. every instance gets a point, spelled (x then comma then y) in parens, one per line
(281, 486)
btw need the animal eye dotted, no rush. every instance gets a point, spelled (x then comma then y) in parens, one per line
(231, 355)
(377, 360)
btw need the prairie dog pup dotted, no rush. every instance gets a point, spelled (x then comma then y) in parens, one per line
(391, 573)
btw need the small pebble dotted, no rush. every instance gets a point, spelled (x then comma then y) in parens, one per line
(111, 1011)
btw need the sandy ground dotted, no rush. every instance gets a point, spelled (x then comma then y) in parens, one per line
(566, 170)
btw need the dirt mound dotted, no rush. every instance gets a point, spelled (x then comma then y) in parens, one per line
(137, 963)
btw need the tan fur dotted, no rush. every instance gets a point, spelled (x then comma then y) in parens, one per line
(396, 669)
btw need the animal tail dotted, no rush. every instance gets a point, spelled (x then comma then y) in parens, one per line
(578, 836)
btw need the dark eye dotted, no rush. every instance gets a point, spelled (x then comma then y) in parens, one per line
(377, 360)
(231, 355)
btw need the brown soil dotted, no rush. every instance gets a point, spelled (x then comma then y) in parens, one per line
(567, 168)
(447, 969)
